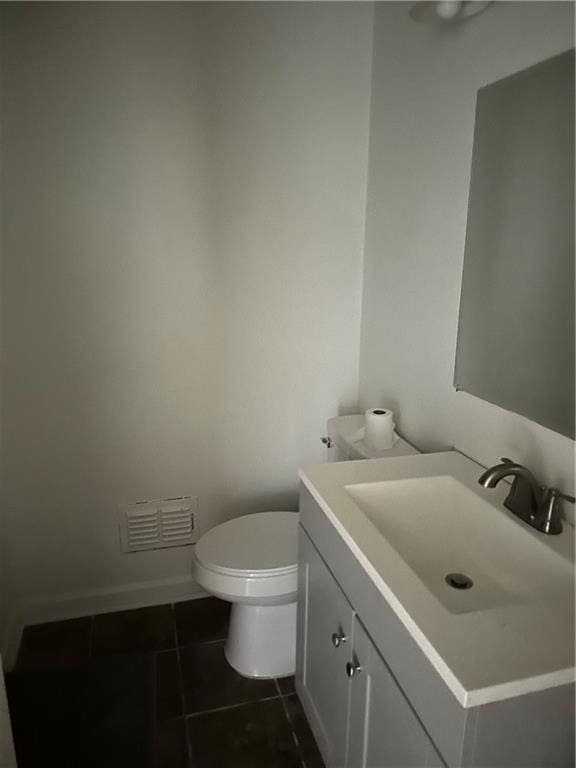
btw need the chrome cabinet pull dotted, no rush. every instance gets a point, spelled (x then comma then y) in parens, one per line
(353, 668)
(338, 638)
(327, 441)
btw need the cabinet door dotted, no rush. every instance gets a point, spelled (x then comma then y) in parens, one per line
(325, 625)
(384, 730)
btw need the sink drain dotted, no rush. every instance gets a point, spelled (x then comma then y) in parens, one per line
(459, 581)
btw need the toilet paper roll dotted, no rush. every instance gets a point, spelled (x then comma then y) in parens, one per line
(379, 429)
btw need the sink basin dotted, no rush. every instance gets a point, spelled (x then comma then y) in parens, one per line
(439, 526)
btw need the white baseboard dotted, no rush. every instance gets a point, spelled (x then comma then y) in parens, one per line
(72, 605)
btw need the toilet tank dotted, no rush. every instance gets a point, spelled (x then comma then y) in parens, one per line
(344, 443)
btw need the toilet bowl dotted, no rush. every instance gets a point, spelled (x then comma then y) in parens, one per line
(252, 562)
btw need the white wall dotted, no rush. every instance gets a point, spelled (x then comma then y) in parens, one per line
(108, 285)
(291, 119)
(184, 200)
(425, 78)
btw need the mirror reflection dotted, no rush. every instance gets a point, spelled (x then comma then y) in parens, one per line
(516, 326)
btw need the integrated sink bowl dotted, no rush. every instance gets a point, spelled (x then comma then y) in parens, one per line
(439, 527)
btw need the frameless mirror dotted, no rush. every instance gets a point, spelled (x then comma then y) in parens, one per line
(516, 327)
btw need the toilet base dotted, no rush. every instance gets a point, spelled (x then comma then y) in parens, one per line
(262, 640)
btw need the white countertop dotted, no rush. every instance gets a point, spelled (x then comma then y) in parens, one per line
(485, 655)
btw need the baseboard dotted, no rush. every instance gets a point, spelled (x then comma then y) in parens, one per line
(72, 605)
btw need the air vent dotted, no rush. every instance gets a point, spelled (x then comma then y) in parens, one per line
(158, 524)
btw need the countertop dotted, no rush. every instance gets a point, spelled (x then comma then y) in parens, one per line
(485, 655)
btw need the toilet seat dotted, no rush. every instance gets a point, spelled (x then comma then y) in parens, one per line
(253, 558)
(252, 574)
(260, 544)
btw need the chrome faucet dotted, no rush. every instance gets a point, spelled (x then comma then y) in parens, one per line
(533, 503)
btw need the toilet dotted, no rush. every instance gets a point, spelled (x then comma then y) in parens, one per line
(252, 562)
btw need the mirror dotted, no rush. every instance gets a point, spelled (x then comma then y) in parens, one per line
(516, 326)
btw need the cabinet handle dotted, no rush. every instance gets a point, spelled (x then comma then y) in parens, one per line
(338, 638)
(353, 668)
(327, 441)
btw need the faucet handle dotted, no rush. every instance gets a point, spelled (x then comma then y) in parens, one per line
(550, 518)
(556, 494)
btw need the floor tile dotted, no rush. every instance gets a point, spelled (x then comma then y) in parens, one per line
(59, 644)
(307, 743)
(171, 748)
(169, 693)
(255, 735)
(94, 714)
(287, 685)
(202, 620)
(139, 631)
(210, 682)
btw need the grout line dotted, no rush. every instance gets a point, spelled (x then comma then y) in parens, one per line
(176, 638)
(183, 700)
(290, 723)
(174, 628)
(198, 642)
(91, 638)
(230, 706)
(284, 694)
(293, 731)
(277, 687)
(202, 642)
(182, 694)
(156, 719)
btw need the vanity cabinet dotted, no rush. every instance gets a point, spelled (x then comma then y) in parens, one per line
(384, 730)
(373, 698)
(328, 620)
(359, 715)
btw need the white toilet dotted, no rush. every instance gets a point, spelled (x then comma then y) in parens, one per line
(252, 562)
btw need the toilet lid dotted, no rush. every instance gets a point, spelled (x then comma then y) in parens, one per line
(264, 542)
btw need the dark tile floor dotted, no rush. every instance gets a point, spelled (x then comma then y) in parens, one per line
(208, 715)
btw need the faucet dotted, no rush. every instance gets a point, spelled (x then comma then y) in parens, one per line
(533, 503)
